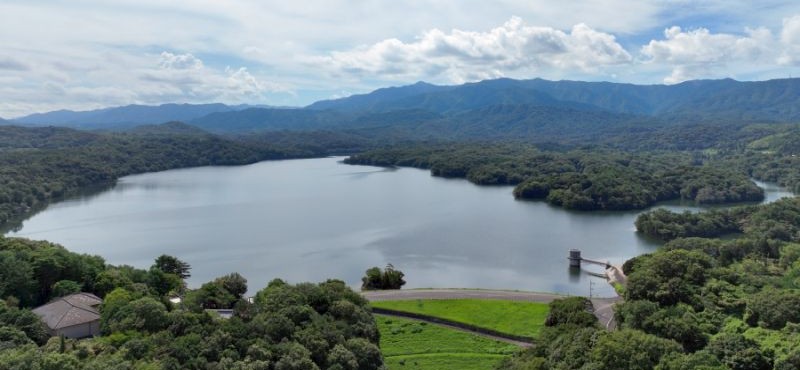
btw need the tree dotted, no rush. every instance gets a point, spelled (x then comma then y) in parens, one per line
(669, 277)
(630, 350)
(172, 265)
(740, 353)
(113, 302)
(702, 360)
(66, 287)
(773, 308)
(392, 278)
(234, 283)
(572, 310)
(295, 357)
(143, 314)
(16, 278)
(790, 362)
(372, 280)
(223, 292)
(25, 321)
(12, 338)
(342, 357)
(389, 278)
(163, 283)
(367, 354)
(679, 323)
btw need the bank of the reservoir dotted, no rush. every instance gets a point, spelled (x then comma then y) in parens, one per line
(312, 219)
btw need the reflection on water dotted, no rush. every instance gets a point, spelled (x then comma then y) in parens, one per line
(308, 220)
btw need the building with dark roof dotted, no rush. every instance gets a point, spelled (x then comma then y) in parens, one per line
(74, 316)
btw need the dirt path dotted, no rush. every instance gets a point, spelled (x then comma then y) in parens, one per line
(603, 307)
(498, 338)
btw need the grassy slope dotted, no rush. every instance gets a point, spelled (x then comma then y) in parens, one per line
(415, 345)
(512, 317)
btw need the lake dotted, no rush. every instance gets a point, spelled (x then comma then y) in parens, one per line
(313, 219)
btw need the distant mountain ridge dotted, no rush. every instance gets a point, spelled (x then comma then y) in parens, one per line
(168, 128)
(127, 116)
(777, 100)
(491, 108)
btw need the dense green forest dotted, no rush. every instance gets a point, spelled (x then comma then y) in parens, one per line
(779, 220)
(38, 165)
(303, 326)
(695, 303)
(596, 179)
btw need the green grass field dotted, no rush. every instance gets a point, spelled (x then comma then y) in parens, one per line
(415, 345)
(512, 317)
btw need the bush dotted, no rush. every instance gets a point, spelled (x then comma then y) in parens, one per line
(738, 352)
(389, 278)
(772, 308)
(572, 310)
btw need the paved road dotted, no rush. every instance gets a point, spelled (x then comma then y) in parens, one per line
(603, 307)
(604, 311)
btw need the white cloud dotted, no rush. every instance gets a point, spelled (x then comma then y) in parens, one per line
(180, 61)
(698, 53)
(790, 40)
(119, 79)
(186, 76)
(467, 55)
(110, 51)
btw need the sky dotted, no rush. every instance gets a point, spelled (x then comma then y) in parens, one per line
(89, 54)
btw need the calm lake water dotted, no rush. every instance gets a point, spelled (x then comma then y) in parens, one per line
(313, 219)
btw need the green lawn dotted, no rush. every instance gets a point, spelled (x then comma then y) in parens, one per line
(412, 344)
(465, 361)
(512, 317)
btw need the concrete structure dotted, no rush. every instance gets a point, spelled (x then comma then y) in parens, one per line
(224, 313)
(574, 258)
(73, 316)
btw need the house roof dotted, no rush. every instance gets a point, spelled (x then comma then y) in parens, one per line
(75, 309)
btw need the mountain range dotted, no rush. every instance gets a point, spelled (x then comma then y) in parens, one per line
(127, 116)
(769, 100)
(500, 108)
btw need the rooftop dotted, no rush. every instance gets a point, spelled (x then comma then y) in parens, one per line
(74, 309)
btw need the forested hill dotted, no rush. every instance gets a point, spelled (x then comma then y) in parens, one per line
(497, 122)
(38, 165)
(536, 110)
(581, 180)
(15, 137)
(775, 100)
(125, 117)
(285, 326)
(490, 107)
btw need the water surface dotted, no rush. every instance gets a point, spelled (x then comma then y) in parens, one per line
(313, 219)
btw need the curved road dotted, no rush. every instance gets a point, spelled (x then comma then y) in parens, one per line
(603, 307)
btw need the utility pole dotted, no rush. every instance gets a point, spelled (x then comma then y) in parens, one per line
(591, 288)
